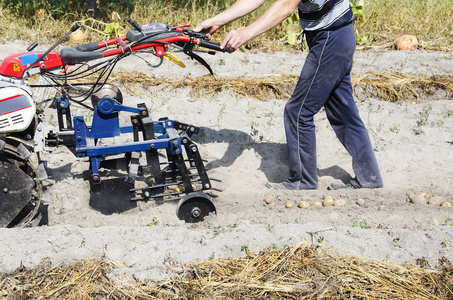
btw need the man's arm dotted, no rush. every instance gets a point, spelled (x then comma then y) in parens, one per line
(239, 9)
(273, 16)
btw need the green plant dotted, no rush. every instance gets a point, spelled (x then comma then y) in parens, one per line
(255, 133)
(154, 222)
(245, 248)
(357, 8)
(362, 224)
(320, 239)
(396, 240)
(448, 221)
(424, 115)
(395, 128)
(448, 114)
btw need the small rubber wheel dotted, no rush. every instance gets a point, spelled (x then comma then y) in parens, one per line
(194, 207)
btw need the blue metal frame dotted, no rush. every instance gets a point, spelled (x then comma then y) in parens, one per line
(106, 125)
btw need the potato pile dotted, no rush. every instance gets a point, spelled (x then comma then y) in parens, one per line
(425, 198)
(305, 202)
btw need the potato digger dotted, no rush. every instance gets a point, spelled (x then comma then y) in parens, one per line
(160, 155)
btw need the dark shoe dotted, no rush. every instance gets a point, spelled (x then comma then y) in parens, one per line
(276, 186)
(340, 186)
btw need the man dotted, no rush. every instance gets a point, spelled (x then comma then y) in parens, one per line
(324, 81)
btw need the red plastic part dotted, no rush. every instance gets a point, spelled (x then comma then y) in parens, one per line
(15, 65)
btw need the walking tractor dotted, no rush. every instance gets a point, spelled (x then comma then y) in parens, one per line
(160, 156)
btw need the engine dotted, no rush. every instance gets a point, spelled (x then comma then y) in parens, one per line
(17, 110)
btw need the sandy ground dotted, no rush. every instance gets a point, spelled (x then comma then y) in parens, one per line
(244, 143)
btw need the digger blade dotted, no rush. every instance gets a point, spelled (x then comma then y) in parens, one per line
(16, 189)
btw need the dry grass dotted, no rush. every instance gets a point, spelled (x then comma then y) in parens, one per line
(389, 86)
(301, 271)
(384, 21)
(398, 86)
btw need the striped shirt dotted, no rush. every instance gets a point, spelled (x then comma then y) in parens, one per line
(324, 14)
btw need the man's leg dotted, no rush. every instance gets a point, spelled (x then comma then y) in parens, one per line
(320, 74)
(344, 117)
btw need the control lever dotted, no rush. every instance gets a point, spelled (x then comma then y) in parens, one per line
(73, 28)
(135, 25)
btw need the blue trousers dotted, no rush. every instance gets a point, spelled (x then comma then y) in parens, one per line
(325, 80)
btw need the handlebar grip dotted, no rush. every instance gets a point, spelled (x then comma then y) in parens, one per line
(135, 25)
(211, 45)
(32, 46)
(76, 26)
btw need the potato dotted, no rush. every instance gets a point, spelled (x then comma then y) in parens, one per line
(339, 202)
(177, 188)
(317, 203)
(268, 199)
(328, 201)
(435, 201)
(426, 195)
(419, 199)
(289, 204)
(77, 35)
(406, 42)
(304, 204)
(446, 204)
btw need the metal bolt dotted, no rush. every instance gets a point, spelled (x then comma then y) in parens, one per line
(96, 178)
(168, 123)
(194, 149)
(146, 194)
(192, 129)
(160, 53)
(39, 129)
(144, 113)
(184, 141)
(196, 212)
(207, 186)
(135, 121)
(175, 143)
(79, 139)
(177, 152)
(192, 164)
(153, 146)
(5, 190)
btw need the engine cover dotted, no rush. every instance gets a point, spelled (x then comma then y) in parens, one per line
(15, 65)
(17, 110)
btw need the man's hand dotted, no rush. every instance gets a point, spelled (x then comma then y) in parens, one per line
(234, 40)
(208, 27)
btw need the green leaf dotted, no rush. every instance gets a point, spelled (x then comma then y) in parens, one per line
(112, 28)
(292, 38)
(293, 19)
(362, 39)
